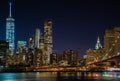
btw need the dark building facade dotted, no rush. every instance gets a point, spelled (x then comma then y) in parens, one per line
(53, 58)
(71, 56)
(4, 46)
(38, 57)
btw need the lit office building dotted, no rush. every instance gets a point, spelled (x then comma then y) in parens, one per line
(70, 56)
(112, 41)
(10, 31)
(42, 48)
(38, 57)
(29, 58)
(21, 47)
(95, 55)
(42, 45)
(4, 46)
(59, 58)
(53, 58)
(48, 40)
(31, 45)
(37, 38)
(31, 42)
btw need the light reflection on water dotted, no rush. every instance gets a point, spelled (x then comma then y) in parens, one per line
(60, 76)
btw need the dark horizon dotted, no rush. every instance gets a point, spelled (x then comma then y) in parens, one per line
(76, 24)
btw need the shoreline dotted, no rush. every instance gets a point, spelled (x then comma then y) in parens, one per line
(51, 71)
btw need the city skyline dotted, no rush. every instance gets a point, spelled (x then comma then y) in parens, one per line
(75, 25)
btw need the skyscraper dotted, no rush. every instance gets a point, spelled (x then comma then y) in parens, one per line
(42, 47)
(48, 40)
(70, 56)
(10, 31)
(37, 38)
(98, 44)
(21, 47)
(3, 51)
(31, 45)
(112, 41)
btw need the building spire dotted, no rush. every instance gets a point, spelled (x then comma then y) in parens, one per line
(98, 45)
(10, 11)
(98, 39)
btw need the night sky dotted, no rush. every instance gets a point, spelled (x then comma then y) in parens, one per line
(76, 23)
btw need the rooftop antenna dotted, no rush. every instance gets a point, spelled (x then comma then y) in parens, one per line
(10, 4)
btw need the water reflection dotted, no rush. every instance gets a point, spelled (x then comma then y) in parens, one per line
(60, 76)
(8, 77)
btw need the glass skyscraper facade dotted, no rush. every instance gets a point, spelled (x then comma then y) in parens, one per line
(37, 38)
(10, 32)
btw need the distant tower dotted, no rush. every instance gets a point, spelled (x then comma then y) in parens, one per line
(10, 31)
(48, 40)
(41, 42)
(21, 47)
(37, 38)
(42, 48)
(98, 45)
(31, 42)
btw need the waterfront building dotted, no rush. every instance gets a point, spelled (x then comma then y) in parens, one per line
(59, 57)
(95, 55)
(48, 40)
(10, 31)
(81, 62)
(38, 57)
(53, 58)
(71, 56)
(15, 60)
(29, 58)
(112, 41)
(4, 46)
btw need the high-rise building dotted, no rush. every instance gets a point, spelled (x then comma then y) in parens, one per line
(38, 57)
(10, 31)
(112, 41)
(98, 44)
(96, 54)
(42, 46)
(70, 56)
(109, 39)
(4, 46)
(31, 45)
(31, 42)
(21, 47)
(48, 40)
(53, 58)
(37, 38)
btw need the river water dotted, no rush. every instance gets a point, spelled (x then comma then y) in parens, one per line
(61, 76)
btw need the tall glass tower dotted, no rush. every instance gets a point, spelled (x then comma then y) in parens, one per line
(37, 38)
(48, 40)
(10, 31)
